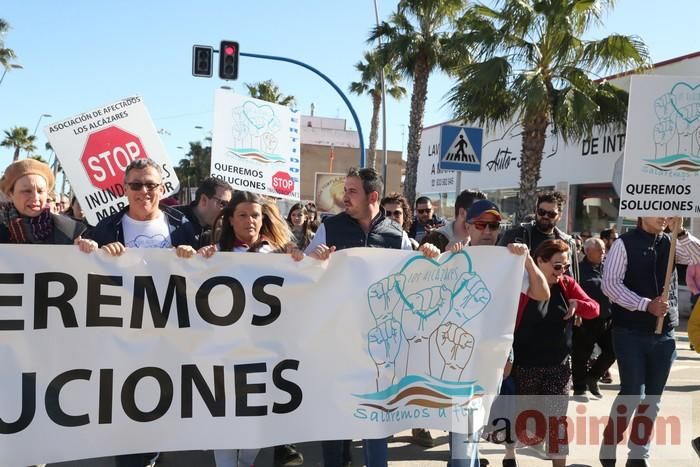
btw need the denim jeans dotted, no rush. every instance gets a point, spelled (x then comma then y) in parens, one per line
(337, 453)
(644, 360)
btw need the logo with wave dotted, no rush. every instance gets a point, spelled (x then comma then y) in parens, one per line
(677, 131)
(420, 343)
(255, 155)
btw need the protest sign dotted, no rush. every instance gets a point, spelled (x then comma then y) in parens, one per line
(329, 192)
(661, 170)
(95, 147)
(255, 145)
(147, 352)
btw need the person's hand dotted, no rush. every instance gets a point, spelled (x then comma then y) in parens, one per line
(658, 307)
(322, 252)
(85, 244)
(114, 248)
(519, 249)
(294, 251)
(573, 304)
(185, 251)
(207, 251)
(457, 247)
(429, 250)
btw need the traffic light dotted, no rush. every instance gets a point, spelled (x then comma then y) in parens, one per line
(228, 60)
(202, 61)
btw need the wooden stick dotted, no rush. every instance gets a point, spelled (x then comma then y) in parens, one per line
(669, 270)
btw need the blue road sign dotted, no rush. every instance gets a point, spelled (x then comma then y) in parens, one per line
(460, 148)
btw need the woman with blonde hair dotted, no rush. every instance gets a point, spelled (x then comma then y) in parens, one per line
(251, 224)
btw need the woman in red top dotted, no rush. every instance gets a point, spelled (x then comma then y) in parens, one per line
(542, 344)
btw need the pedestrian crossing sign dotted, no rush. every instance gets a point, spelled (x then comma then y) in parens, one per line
(460, 148)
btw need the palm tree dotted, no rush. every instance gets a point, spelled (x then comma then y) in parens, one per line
(532, 66)
(371, 84)
(20, 139)
(270, 92)
(420, 38)
(195, 166)
(6, 55)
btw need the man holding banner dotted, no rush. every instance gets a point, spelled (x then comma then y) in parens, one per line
(362, 224)
(633, 279)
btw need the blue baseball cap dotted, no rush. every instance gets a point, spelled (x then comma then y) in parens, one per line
(483, 206)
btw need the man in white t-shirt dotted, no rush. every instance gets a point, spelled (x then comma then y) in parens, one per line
(143, 223)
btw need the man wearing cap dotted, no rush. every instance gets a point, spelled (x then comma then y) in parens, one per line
(482, 228)
(456, 231)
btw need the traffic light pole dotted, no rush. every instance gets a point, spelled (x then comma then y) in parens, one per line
(327, 79)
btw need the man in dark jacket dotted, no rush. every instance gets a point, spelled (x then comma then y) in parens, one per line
(211, 197)
(143, 223)
(362, 224)
(592, 331)
(547, 213)
(425, 219)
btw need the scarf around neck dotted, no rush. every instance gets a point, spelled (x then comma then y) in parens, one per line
(38, 229)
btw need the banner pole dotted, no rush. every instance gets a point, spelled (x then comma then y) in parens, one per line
(669, 270)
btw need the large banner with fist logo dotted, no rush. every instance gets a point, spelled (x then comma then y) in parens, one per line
(150, 352)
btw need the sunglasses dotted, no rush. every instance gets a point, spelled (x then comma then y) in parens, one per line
(560, 266)
(138, 186)
(543, 212)
(221, 203)
(480, 225)
(396, 213)
(424, 211)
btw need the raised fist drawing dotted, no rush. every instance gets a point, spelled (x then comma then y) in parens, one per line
(384, 343)
(384, 297)
(470, 298)
(426, 310)
(455, 346)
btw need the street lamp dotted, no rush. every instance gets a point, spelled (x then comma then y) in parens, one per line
(39, 121)
(12, 65)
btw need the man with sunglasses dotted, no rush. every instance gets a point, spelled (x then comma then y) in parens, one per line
(425, 219)
(547, 213)
(143, 223)
(211, 197)
(456, 231)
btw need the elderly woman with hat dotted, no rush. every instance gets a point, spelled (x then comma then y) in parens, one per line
(27, 218)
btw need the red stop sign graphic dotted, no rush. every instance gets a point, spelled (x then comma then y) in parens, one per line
(282, 183)
(107, 153)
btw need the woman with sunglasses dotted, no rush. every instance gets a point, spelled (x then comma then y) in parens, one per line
(542, 342)
(397, 209)
(251, 225)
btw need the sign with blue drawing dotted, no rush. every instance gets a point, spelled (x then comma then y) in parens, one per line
(661, 171)
(256, 145)
(460, 148)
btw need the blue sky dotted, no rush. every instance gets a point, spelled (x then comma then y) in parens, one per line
(78, 55)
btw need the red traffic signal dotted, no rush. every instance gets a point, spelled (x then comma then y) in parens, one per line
(228, 60)
(202, 61)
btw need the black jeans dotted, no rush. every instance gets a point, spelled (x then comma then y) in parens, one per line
(591, 332)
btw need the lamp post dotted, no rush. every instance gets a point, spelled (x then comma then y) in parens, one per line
(39, 121)
(12, 65)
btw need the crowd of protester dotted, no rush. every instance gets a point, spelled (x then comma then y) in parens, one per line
(586, 302)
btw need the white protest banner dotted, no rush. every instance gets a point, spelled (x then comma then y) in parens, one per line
(661, 172)
(95, 147)
(149, 352)
(255, 145)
